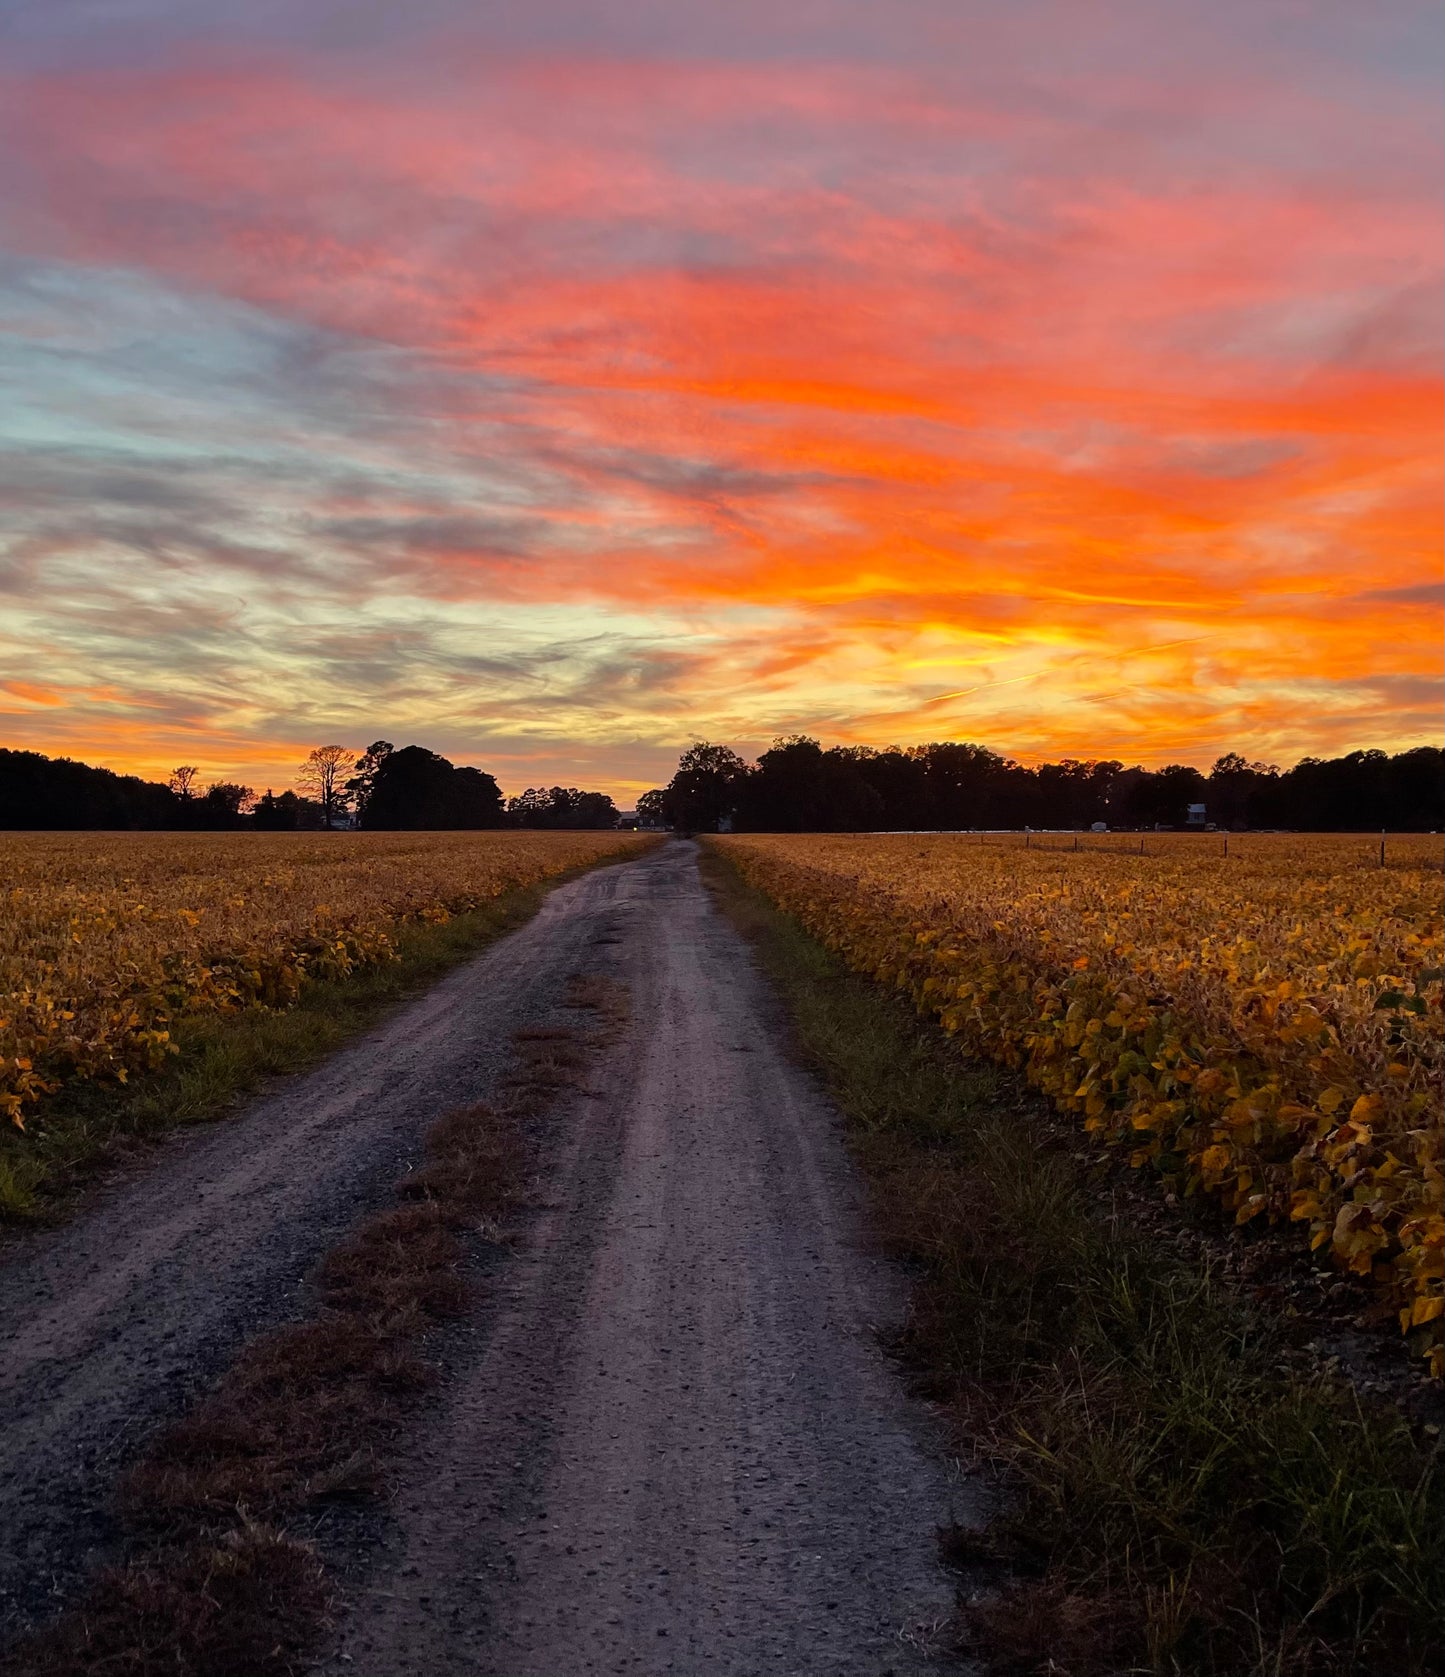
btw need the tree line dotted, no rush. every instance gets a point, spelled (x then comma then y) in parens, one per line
(382, 788)
(796, 786)
(799, 786)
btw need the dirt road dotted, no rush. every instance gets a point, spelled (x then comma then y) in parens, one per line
(669, 1443)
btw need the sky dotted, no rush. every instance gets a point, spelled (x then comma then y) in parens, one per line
(552, 385)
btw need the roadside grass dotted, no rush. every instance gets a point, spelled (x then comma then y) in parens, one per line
(215, 1583)
(1174, 1498)
(89, 1126)
(250, 1604)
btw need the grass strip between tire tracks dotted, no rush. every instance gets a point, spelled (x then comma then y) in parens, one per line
(91, 1126)
(217, 1582)
(1172, 1498)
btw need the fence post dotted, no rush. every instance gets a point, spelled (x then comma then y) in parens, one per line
(1027, 836)
(1141, 844)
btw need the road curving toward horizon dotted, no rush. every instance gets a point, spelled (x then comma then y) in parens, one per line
(667, 1440)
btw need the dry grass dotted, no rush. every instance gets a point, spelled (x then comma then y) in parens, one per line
(215, 1586)
(251, 1603)
(1176, 1500)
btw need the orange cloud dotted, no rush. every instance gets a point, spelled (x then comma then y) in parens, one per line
(932, 415)
(31, 694)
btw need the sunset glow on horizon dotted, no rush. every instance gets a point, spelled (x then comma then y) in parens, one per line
(552, 391)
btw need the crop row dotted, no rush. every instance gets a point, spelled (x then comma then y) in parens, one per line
(107, 939)
(1265, 1029)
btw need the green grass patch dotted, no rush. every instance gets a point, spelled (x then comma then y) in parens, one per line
(90, 1126)
(1175, 1497)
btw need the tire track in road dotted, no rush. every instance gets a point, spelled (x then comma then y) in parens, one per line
(111, 1325)
(667, 1441)
(680, 1450)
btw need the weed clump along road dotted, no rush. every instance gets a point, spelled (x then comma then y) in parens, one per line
(220, 1580)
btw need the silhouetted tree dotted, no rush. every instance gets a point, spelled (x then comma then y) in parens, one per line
(797, 783)
(223, 807)
(1161, 797)
(798, 787)
(416, 790)
(595, 812)
(703, 793)
(361, 782)
(1237, 793)
(322, 776)
(54, 792)
(898, 780)
(561, 807)
(1415, 790)
(474, 800)
(531, 808)
(965, 786)
(652, 808)
(1073, 793)
(232, 796)
(274, 814)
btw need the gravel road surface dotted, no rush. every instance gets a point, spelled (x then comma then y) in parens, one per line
(668, 1443)
(110, 1325)
(680, 1450)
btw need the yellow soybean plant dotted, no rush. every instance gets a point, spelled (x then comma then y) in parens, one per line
(1262, 1025)
(107, 938)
